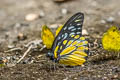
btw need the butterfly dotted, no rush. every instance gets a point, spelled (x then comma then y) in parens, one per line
(111, 39)
(69, 47)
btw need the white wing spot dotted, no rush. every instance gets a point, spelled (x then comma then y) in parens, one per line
(70, 27)
(72, 33)
(65, 28)
(78, 32)
(65, 35)
(73, 29)
(78, 24)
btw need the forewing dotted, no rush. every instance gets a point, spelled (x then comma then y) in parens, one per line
(70, 32)
(72, 27)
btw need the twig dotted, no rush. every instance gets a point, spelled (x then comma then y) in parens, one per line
(14, 49)
(43, 47)
(34, 43)
(29, 48)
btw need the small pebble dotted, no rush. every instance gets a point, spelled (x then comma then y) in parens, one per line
(99, 76)
(13, 57)
(31, 17)
(105, 78)
(64, 11)
(115, 76)
(54, 25)
(7, 34)
(103, 21)
(84, 32)
(42, 14)
(75, 78)
(17, 25)
(25, 62)
(82, 65)
(28, 61)
(21, 36)
(110, 19)
(11, 46)
(8, 58)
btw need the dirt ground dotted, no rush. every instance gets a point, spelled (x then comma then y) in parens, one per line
(99, 16)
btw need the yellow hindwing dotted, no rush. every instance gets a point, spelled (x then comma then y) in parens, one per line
(111, 39)
(47, 36)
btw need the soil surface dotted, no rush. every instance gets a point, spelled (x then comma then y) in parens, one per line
(21, 22)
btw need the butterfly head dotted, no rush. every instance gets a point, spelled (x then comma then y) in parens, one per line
(51, 56)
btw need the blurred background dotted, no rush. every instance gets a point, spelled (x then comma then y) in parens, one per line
(20, 15)
(21, 22)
